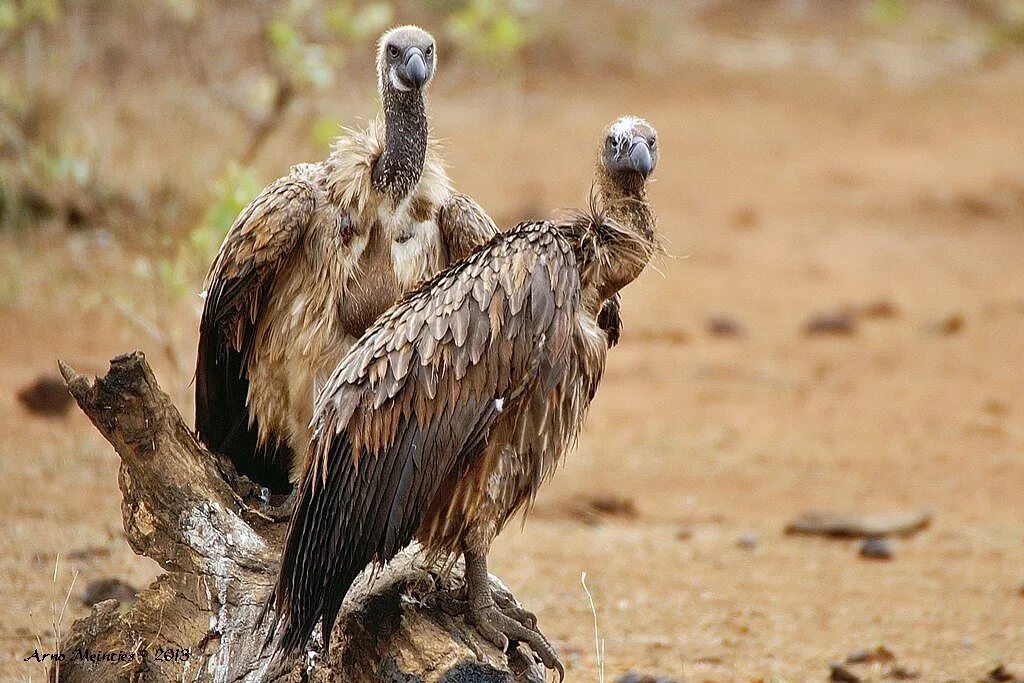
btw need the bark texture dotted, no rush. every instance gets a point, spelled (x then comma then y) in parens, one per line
(185, 508)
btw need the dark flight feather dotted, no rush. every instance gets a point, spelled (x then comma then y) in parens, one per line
(365, 488)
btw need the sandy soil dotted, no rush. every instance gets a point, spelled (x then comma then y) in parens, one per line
(780, 197)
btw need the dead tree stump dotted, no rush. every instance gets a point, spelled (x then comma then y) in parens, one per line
(187, 509)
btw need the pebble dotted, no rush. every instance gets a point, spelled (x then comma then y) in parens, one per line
(841, 674)
(836, 324)
(876, 549)
(724, 326)
(747, 541)
(950, 325)
(1000, 674)
(902, 673)
(47, 396)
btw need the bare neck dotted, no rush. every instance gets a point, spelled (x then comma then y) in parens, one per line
(399, 167)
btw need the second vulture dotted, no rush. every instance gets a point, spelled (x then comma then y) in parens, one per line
(450, 412)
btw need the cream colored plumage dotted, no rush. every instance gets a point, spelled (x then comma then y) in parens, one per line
(314, 259)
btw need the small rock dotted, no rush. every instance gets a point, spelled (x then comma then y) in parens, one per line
(88, 553)
(634, 677)
(592, 509)
(950, 325)
(47, 396)
(859, 525)
(724, 326)
(745, 218)
(876, 549)
(101, 590)
(996, 408)
(1000, 674)
(842, 323)
(901, 673)
(840, 674)
(685, 533)
(747, 541)
(880, 309)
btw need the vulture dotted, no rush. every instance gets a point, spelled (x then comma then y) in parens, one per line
(313, 260)
(448, 414)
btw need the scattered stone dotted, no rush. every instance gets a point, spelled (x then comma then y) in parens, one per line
(634, 677)
(841, 323)
(593, 509)
(89, 552)
(950, 325)
(996, 408)
(747, 541)
(876, 549)
(901, 673)
(723, 326)
(47, 396)
(840, 674)
(746, 218)
(685, 533)
(101, 590)
(880, 309)
(880, 655)
(840, 525)
(1000, 674)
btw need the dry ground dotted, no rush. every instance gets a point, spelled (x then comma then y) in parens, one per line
(781, 196)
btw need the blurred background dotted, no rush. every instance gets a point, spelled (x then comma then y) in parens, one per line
(837, 328)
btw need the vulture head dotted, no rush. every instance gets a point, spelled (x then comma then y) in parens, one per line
(406, 59)
(630, 150)
(620, 228)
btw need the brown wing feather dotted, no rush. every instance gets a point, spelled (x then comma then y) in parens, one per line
(396, 418)
(256, 248)
(464, 226)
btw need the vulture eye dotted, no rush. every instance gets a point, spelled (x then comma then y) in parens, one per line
(654, 143)
(430, 50)
(392, 50)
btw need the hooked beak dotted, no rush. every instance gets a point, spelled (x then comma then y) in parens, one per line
(640, 159)
(415, 68)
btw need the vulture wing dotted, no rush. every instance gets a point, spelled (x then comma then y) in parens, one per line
(464, 226)
(258, 246)
(412, 403)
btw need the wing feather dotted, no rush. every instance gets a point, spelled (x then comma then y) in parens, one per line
(381, 483)
(464, 226)
(256, 248)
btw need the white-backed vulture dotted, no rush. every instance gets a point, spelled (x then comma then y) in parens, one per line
(312, 262)
(450, 412)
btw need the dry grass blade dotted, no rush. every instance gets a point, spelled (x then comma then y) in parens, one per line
(598, 642)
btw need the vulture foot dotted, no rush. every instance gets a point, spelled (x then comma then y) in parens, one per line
(500, 619)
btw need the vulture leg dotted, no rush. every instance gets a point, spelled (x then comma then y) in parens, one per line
(498, 618)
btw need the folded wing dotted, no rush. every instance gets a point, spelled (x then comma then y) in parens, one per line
(411, 404)
(258, 247)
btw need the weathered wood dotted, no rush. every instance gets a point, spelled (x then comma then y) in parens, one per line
(185, 508)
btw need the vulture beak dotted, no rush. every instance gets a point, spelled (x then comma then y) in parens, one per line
(640, 159)
(415, 67)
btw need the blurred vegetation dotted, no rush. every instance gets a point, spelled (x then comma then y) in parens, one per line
(267, 68)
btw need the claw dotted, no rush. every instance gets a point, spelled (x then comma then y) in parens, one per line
(501, 629)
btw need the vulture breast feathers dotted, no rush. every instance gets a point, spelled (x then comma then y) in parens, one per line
(413, 403)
